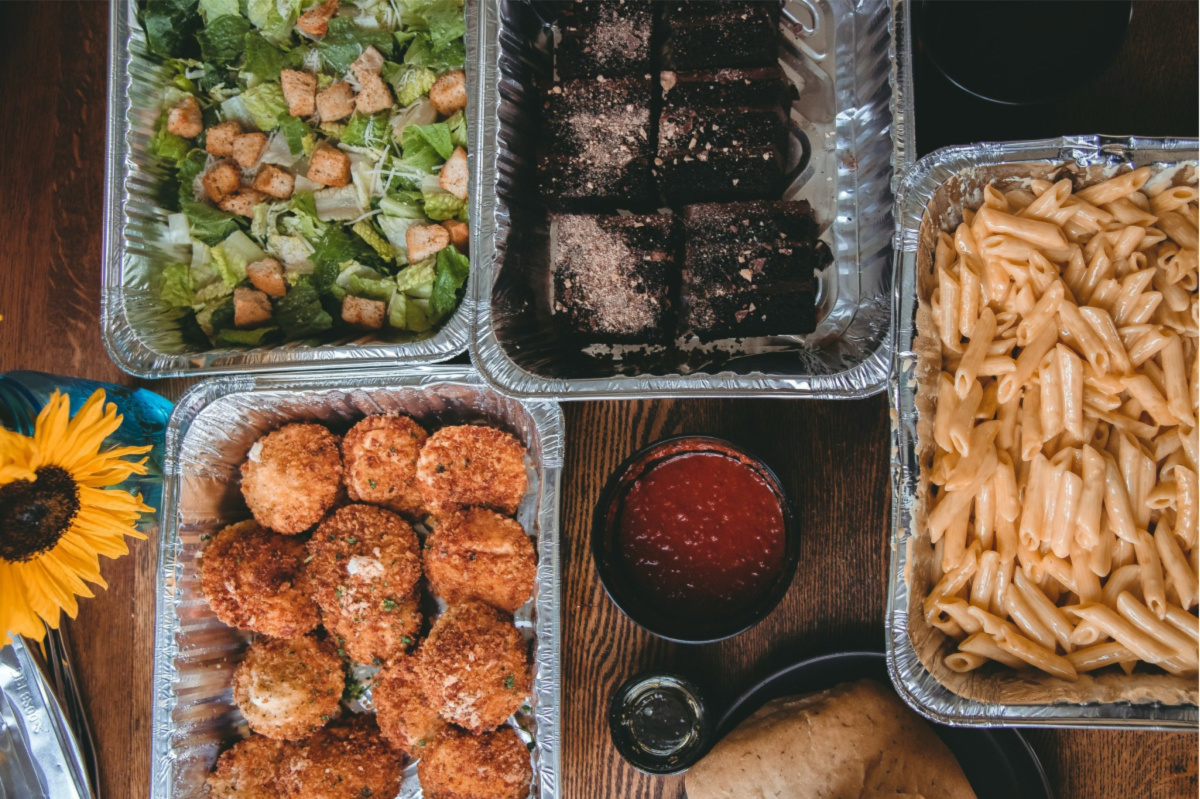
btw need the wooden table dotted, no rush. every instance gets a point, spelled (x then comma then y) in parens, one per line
(832, 456)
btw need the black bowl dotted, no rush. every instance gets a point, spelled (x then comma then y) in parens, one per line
(625, 595)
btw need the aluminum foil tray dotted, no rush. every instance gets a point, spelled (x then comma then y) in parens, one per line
(210, 432)
(838, 54)
(137, 336)
(930, 197)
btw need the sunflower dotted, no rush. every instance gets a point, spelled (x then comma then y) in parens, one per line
(57, 514)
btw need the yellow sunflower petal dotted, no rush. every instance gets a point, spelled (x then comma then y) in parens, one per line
(87, 430)
(74, 552)
(50, 429)
(17, 617)
(46, 595)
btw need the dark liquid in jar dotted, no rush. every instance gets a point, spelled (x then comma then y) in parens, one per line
(701, 533)
(661, 719)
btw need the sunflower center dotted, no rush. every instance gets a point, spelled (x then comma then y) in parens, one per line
(35, 514)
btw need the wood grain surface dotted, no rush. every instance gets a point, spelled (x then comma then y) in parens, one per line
(833, 457)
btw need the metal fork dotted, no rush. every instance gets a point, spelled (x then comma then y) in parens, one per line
(62, 678)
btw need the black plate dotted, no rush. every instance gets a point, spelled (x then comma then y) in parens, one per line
(998, 762)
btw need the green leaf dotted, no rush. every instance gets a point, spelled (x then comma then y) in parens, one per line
(209, 225)
(458, 129)
(442, 205)
(324, 276)
(453, 269)
(275, 26)
(367, 130)
(177, 289)
(211, 9)
(233, 337)
(372, 237)
(266, 105)
(232, 255)
(265, 60)
(300, 314)
(223, 39)
(346, 41)
(409, 83)
(418, 279)
(338, 245)
(170, 26)
(189, 168)
(371, 289)
(424, 52)
(167, 145)
(442, 18)
(295, 130)
(418, 152)
(436, 136)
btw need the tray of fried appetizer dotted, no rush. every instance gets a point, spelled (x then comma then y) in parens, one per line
(358, 590)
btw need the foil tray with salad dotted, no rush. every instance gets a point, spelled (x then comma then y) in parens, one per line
(319, 157)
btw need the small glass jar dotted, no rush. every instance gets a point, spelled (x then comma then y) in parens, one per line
(660, 722)
(24, 394)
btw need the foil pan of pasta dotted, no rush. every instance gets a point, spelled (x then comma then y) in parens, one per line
(690, 198)
(358, 590)
(1044, 396)
(288, 184)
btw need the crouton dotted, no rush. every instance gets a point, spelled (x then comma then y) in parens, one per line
(449, 92)
(221, 181)
(460, 234)
(454, 174)
(336, 102)
(364, 313)
(218, 140)
(300, 91)
(250, 307)
(242, 202)
(315, 21)
(374, 97)
(247, 148)
(184, 119)
(367, 64)
(329, 166)
(267, 276)
(274, 181)
(423, 241)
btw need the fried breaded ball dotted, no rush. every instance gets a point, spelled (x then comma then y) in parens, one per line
(347, 760)
(375, 633)
(475, 666)
(256, 580)
(380, 453)
(248, 770)
(288, 687)
(405, 715)
(494, 765)
(292, 476)
(470, 465)
(479, 554)
(365, 564)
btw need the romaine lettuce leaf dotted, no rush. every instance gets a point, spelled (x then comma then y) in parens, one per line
(337, 246)
(458, 129)
(436, 136)
(296, 131)
(275, 18)
(347, 40)
(403, 204)
(223, 39)
(371, 289)
(452, 270)
(418, 153)
(177, 289)
(209, 225)
(265, 61)
(424, 52)
(170, 25)
(409, 83)
(231, 256)
(211, 9)
(371, 236)
(417, 280)
(442, 18)
(168, 146)
(233, 337)
(300, 314)
(441, 205)
(367, 130)
(266, 105)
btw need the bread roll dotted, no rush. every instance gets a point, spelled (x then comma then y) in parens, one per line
(854, 741)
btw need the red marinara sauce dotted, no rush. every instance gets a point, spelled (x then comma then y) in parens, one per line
(701, 532)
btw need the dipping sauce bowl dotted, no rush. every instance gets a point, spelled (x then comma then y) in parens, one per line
(694, 539)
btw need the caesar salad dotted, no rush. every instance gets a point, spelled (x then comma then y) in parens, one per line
(319, 156)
